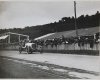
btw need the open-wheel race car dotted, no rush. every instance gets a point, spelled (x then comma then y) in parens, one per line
(29, 48)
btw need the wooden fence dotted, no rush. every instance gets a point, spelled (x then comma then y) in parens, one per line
(63, 48)
(73, 46)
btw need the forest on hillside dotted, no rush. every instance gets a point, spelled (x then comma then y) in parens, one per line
(64, 24)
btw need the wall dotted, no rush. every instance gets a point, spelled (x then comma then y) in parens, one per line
(63, 48)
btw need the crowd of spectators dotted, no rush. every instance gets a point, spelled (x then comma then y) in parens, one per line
(81, 40)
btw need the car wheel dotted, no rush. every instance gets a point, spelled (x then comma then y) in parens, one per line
(20, 50)
(27, 50)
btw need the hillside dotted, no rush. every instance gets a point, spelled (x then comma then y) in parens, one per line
(65, 24)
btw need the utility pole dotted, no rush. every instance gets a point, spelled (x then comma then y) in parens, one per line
(19, 38)
(75, 19)
(9, 37)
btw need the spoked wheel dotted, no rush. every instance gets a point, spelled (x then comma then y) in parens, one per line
(20, 50)
(28, 50)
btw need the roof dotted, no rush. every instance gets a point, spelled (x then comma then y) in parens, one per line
(71, 33)
(44, 36)
(4, 37)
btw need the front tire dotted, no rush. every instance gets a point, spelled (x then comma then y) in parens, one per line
(28, 50)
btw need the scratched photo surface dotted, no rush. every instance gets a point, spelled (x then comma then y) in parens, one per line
(50, 39)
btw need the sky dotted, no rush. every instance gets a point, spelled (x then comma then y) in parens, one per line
(19, 14)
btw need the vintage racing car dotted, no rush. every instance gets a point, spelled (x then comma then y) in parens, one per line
(29, 48)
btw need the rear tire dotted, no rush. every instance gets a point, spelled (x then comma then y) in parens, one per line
(20, 50)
